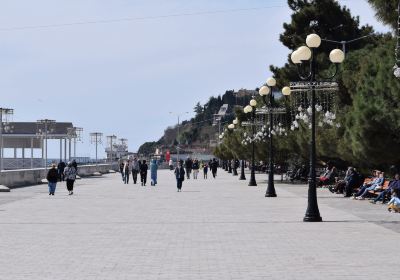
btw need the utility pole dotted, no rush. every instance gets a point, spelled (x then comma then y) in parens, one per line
(177, 136)
(111, 140)
(44, 129)
(96, 138)
(5, 113)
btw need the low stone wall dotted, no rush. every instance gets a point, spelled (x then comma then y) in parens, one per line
(26, 177)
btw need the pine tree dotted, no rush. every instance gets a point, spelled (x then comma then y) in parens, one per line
(386, 11)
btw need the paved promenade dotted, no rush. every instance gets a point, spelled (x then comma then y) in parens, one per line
(214, 229)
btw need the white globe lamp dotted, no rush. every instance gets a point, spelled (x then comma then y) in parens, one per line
(271, 82)
(286, 91)
(336, 56)
(264, 90)
(313, 41)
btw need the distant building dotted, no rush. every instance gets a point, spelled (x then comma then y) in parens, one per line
(245, 92)
(118, 151)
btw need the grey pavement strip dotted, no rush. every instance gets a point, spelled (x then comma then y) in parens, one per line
(214, 229)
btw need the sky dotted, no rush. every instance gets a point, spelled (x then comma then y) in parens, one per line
(124, 77)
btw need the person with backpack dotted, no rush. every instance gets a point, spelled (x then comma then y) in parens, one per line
(179, 175)
(70, 176)
(52, 178)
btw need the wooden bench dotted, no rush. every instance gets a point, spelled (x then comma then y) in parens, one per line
(384, 187)
(374, 193)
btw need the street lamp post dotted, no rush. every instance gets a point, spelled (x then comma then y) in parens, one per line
(96, 138)
(78, 137)
(251, 109)
(300, 58)
(233, 169)
(111, 140)
(45, 130)
(177, 134)
(264, 91)
(235, 173)
(75, 134)
(5, 113)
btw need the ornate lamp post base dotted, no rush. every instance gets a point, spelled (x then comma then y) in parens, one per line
(270, 195)
(242, 176)
(252, 182)
(270, 188)
(312, 219)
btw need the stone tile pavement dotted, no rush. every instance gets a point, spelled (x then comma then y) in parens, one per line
(214, 229)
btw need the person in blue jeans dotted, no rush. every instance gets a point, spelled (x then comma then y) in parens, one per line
(378, 182)
(393, 186)
(52, 178)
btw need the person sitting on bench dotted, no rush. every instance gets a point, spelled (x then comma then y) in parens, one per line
(328, 177)
(377, 183)
(393, 185)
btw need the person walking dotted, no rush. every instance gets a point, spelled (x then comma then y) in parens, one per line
(121, 169)
(214, 167)
(188, 166)
(205, 170)
(153, 172)
(143, 172)
(70, 176)
(196, 167)
(127, 169)
(75, 165)
(60, 169)
(171, 164)
(135, 169)
(52, 178)
(179, 175)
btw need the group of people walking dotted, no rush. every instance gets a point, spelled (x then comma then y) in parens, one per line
(140, 167)
(195, 165)
(189, 166)
(183, 170)
(61, 172)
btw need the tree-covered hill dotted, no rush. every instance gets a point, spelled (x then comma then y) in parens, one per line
(200, 132)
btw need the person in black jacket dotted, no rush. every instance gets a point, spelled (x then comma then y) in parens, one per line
(52, 178)
(179, 175)
(214, 167)
(60, 168)
(188, 166)
(143, 172)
